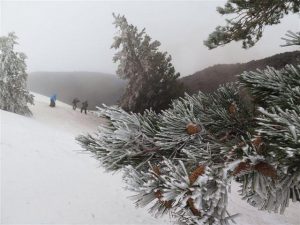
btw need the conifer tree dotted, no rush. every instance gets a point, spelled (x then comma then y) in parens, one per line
(183, 160)
(152, 80)
(248, 20)
(14, 95)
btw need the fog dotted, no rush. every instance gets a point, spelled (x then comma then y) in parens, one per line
(77, 35)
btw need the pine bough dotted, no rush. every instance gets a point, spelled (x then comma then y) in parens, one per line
(183, 160)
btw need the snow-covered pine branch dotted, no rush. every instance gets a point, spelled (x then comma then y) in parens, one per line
(183, 160)
(271, 87)
(292, 38)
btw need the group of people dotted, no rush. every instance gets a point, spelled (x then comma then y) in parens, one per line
(74, 102)
(83, 107)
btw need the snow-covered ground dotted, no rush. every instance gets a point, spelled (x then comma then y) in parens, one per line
(46, 179)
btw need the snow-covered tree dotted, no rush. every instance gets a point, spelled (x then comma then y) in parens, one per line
(152, 80)
(183, 160)
(248, 20)
(14, 95)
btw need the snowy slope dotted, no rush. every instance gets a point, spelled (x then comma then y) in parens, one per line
(46, 179)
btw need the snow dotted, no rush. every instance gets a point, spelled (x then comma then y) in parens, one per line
(250, 215)
(47, 179)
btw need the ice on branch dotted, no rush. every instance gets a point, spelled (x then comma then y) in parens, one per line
(182, 161)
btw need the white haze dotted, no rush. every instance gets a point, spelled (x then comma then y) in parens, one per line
(77, 35)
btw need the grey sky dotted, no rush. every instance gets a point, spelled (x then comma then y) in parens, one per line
(77, 35)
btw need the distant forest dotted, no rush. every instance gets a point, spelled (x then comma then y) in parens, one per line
(99, 88)
(209, 79)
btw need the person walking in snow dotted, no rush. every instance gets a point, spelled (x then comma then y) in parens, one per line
(84, 106)
(74, 102)
(52, 100)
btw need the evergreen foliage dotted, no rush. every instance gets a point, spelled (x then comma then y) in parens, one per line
(275, 87)
(152, 78)
(14, 95)
(248, 20)
(292, 38)
(183, 160)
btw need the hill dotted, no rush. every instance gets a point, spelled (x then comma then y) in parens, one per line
(209, 79)
(97, 88)
(47, 179)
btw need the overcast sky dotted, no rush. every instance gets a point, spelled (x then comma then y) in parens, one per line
(77, 35)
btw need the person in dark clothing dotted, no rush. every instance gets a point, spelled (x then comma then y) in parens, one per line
(52, 100)
(84, 106)
(74, 102)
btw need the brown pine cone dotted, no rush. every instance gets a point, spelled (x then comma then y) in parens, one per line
(196, 173)
(265, 169)
(193, 128)
(190, 204)
(241, 168)
(232, 109)
(259, 144)
(167, 204)
(156, 170)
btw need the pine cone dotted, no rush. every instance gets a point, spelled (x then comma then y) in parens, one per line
(158, 194)
(167, 204)
(196, 173)
(156, 170)
(193, 128)
(261, 167)
(190, 204)
(258, 144)
(265, 169)
(232, 108)
(242, 167)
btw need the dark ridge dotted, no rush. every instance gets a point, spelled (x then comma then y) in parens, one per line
(97, 88)
(209, 79)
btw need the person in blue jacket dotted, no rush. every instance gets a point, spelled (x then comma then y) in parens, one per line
(52, 100)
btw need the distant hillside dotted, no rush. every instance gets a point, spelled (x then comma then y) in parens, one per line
(210, 78)
(97, 88)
